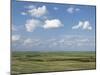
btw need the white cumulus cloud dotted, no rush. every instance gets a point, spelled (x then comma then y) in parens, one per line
(32, 24)
(31, 42)
(30, 7)
(27, 41)
(55, 8)
(85, 25)
(54, 23)
(15, 38)
(72, 10)
(23, 13)
(38, 12)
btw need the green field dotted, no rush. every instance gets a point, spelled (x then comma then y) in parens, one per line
(36, 62)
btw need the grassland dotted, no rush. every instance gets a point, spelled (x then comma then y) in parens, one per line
(36, 62)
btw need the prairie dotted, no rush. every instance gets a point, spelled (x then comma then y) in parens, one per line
(26, 62)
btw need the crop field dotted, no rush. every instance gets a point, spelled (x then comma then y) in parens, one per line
(26, 62)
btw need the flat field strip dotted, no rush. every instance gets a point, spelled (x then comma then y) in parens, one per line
(37, 62)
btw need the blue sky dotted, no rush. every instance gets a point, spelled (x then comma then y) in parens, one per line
(52, 27)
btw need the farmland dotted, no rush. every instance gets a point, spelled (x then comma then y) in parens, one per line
(35, 62)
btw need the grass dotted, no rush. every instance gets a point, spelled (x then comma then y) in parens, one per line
(36, 62)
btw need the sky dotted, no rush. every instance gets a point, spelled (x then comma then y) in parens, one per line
(40, 26)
